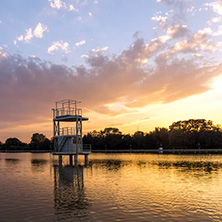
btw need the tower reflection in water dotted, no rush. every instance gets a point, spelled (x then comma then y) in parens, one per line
(70, 201)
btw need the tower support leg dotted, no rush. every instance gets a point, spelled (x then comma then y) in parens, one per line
(60, 159)
(86, 159)
(76, 160)
(70, 160)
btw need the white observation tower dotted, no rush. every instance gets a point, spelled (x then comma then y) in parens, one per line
(68, 140)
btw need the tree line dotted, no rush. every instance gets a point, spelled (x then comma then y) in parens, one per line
(187, 134)
(38, 142)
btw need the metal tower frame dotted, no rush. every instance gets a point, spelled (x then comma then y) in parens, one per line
(68, 140)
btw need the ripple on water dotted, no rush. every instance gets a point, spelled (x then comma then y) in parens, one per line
(117, 187)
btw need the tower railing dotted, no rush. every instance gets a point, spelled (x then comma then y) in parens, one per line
(67, 131)
(66, 112)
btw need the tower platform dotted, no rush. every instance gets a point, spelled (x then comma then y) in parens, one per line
(69, 118)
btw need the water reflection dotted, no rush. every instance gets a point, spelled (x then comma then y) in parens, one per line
(162, 163)
(38, 165)
(10, 161)
(38, 162)
(70, 200)
(110, 164)
(205, 166)
(119, 187)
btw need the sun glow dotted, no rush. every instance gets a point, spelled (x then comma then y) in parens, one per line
(217, 83)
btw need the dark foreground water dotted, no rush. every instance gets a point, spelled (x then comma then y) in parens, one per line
(119, 187)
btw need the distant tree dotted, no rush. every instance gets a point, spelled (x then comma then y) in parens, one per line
(162, 136)
(109, 138)
(39, 142)
(194, 125)
(13, 141)
(95, 139)
(193, 133)
(139, 140)
(126, 142)
(179, 139)
(14, 144)
(210, 139)
(190, 133)
(205, 140)
(112, 138)
(150, 140)
(111, 130)
(1, 145)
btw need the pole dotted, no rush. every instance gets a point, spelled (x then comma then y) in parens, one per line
(70, 160)
(76, 160)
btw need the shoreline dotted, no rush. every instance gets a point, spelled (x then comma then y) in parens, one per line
(165, 151)
(152, 151)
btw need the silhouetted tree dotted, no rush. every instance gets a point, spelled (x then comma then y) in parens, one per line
(178, 139)
(162, 137)
(1, 145)
(39, 142)
(110, 130)
(111, 138)
(139, 140)
(194, 125)
(190, 133)
(150, 141)
(14, 144)
(126, 142)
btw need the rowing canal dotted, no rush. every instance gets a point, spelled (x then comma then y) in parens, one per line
(112, 187)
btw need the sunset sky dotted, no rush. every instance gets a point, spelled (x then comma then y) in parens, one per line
(134, 64)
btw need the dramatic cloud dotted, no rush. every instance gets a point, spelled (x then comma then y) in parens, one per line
(216, 6)
(83, 42)
(38, 33)
(177, 31)
(214, 20)
(84, 56)
(72, 8)
(100, 49)
(56, 45)
(218, 32)
(197, 43)
(160, 19)
(160, 71)
(28, 35)
(176, 15)
(58, 4)
(3, 54)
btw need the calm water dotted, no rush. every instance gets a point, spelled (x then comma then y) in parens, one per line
(113, 187)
